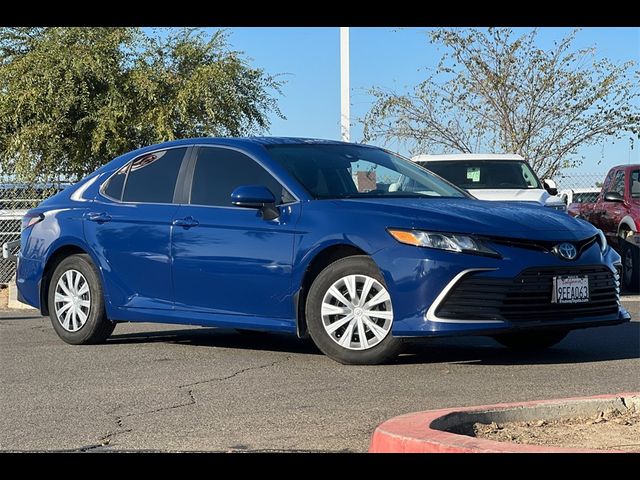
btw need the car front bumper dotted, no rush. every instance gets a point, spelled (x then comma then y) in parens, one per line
(421, 280)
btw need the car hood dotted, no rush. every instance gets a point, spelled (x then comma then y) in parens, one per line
(537, 195)
(464, 215)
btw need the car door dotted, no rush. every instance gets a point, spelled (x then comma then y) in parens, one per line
(129, 226)
(226, 259)
(597, 211)
(613, 212)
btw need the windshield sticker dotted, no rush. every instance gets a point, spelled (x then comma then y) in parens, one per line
(473, 174)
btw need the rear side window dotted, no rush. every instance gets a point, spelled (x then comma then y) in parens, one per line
(219, 171)
(113, 188)
(152, 178)
(634, 184)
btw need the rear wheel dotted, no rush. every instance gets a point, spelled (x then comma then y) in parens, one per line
(349, 313)
(76, 303)
(531, 340)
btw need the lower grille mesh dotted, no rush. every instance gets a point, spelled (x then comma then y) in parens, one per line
(528, 296)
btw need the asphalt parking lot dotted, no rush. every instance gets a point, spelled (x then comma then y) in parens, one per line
(169, 388)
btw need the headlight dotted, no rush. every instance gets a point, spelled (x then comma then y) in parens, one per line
(452, 242)
(602, 240)
(561, 207)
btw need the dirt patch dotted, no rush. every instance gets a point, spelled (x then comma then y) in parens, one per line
(608, 429)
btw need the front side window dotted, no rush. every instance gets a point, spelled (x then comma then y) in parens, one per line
(152, 177)
(607, 182)
(486, 174)
(219, 171)
(618, 183)
(350, 171)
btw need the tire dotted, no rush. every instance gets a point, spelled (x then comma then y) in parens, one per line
(84, 322)
(379, 346)
(531, 341)
(630, 266)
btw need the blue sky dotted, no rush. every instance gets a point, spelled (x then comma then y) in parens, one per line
(395, 58)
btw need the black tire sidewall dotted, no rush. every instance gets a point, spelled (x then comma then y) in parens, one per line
(383, 352)
(629, 249)
(97, 323)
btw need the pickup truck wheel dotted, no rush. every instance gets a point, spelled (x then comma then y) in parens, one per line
(630, 266)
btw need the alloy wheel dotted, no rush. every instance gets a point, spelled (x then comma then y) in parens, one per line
(72, 300)
(356, 312)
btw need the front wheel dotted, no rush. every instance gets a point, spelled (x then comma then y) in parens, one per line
(76, 303)
(531, 340)
(349, 313)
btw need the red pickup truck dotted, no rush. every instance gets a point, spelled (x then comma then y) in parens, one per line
(617, 213)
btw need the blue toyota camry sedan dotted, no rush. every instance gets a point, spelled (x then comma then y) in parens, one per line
(349, 244)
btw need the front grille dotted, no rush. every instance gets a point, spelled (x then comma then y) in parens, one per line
(528, 296)
(541, 245)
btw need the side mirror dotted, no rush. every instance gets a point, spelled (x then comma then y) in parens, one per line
(256, 196)
(550, 186)
(613, 197)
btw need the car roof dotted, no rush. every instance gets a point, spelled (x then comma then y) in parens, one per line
(467, 156)
(239, 141)
(626, 166)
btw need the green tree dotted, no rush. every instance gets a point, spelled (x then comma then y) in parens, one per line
(74, 98)
(492, 92)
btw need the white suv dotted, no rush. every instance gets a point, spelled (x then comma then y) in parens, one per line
(494, 177)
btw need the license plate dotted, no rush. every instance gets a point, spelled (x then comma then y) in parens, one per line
(570, 290)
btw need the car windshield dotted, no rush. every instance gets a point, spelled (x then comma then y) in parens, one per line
(484, 174)
(352, 171)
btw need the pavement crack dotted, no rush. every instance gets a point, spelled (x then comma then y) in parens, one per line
(119, 419)
(236, 373)
(105, 440)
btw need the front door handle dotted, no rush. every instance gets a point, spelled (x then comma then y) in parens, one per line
(98, 217)
(186, 222)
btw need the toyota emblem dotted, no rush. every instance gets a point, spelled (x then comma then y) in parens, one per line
(566, 251)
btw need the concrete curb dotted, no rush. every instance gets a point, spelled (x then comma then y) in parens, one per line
(433, 431)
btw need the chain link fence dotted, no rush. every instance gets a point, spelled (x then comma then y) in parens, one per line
(15, 200)
(573, 180)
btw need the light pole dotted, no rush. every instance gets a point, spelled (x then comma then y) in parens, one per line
(344, 83)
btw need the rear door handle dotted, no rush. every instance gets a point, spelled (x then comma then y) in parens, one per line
(186, 222)
(98, 217)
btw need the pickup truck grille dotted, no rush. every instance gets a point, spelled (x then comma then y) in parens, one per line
(528, 297)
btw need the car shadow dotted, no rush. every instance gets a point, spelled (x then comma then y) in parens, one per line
(617, 342)
(222, 337)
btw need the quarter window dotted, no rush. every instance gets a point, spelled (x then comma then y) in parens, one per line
(219, 171)
(152, 178)
(113, 189)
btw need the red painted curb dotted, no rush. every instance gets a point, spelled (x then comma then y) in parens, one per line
(412, 433)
